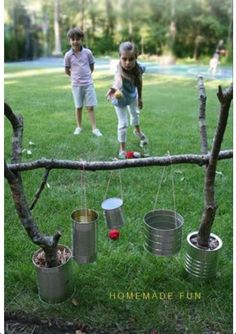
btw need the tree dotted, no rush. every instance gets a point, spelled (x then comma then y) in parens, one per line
(57, 49)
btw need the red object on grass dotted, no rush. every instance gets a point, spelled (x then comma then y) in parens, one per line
(132, 154)
(114, 234)
(129, 154)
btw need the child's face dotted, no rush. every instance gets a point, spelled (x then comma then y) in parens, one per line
(76, 42)
(127, 60)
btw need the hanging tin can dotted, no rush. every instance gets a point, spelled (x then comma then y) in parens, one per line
(84, 235)
(113, 212)
(163, 232)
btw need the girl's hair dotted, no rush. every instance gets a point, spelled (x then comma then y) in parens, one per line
(134, 75)
(128, 46)
(75, 32)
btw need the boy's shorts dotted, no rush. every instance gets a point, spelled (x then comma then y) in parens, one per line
(84, 96)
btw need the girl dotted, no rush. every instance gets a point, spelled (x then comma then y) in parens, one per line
(126, 94)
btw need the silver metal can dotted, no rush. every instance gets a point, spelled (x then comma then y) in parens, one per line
(55, 284)
(84, 235)
(113, 212)
(163, 232)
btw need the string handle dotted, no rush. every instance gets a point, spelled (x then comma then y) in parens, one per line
(83, 198)
(172, 182)
(120, 184)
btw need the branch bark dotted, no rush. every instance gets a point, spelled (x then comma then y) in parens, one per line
(210, 208)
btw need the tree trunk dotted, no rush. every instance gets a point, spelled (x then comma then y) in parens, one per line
(57, 50)
(81, 15)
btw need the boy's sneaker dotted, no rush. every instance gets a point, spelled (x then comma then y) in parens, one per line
(142, 137)
(97, 132)
(77, 131)
(122, 155)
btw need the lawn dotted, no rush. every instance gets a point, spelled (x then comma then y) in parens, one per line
(123, 268)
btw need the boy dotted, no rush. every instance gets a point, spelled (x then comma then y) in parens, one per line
(79, 65)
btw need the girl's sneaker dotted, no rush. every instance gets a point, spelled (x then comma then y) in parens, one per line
(97, 132)
(122, 155)
(142, 137)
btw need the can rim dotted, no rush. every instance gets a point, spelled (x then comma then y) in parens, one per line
(51, 269)
(179, 220)
(189, 236)
(112, 203)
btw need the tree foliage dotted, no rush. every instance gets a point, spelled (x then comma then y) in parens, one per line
(185, 28)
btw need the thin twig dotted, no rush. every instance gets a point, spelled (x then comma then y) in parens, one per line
(38, 193)
(202, 115)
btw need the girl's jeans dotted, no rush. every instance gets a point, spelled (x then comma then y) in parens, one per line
(122, 115)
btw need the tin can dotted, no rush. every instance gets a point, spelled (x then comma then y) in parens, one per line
(84, 235)
(113, 212)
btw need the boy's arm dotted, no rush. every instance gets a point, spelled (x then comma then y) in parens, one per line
(67, 64)
(91, 67)
(67, 71)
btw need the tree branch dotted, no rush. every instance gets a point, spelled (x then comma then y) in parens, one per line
(118, 164)
(202, 115)
(17, 127)
(48, 243)
(38, 193)
(209, 211)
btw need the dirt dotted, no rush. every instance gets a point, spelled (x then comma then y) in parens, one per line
(20, 323)
(62, 254)
(213, 243)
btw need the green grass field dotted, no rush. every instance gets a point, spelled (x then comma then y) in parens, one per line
(170, 120)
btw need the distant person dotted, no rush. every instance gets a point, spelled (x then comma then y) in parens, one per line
(126, 95)
(79, 65)
(215, 60)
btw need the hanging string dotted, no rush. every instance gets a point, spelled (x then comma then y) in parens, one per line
(83, 190)
(121, 188)
(109, 181)
(108, 184)
(172, 183)
(159, 187)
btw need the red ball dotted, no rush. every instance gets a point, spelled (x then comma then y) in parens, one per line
(114, 234)
(129, 155)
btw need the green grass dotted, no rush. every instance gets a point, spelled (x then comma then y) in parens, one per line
(170, 120)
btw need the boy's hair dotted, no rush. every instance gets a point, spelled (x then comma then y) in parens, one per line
(128, 46)
(75, 32)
